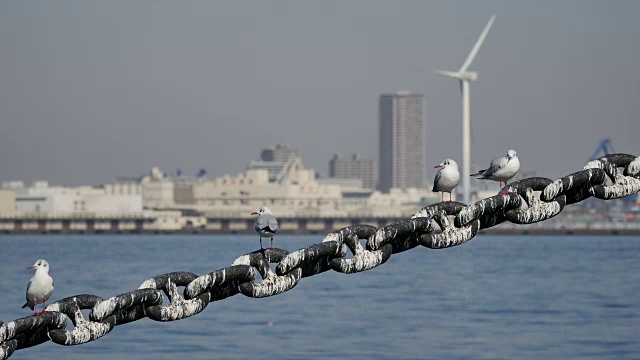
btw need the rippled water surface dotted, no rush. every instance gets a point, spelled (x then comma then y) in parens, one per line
(496, 297)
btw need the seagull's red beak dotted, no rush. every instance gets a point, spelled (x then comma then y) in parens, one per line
(31, 267)
(254, 213)
(437, 166)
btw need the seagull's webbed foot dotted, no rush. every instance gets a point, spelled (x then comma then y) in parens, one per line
(505, 190)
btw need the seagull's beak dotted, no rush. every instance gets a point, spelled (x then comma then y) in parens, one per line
(254, 213)
(31, 267)
(437, 166)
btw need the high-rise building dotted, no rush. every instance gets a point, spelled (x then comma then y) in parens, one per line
(402, 145)
(279, 153)
(278, 161)
(354, 168)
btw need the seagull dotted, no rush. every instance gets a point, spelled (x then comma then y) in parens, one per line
(501, 169)
(447, 177)
(266, 225)
(40, 287)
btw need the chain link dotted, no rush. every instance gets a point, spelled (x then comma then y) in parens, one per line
(520, 204)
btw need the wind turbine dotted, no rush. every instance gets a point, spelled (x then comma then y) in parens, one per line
(464, 77)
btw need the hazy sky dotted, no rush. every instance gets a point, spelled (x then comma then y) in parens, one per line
(93, 90)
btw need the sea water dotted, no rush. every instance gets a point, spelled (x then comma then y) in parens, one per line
(495, 297)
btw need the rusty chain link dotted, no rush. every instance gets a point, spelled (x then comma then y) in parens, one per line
(519, 206)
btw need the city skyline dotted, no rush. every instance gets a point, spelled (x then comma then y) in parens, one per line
(93, 91)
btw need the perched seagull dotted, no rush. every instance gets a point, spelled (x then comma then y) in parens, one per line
(447, 177)
(40, 287)
(266, 225)
(501, 169)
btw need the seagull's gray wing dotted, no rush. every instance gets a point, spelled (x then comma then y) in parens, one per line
(26, 295)
(260, 223)
(436, 181)
(267, 223)
(272, 222)
(495, 166)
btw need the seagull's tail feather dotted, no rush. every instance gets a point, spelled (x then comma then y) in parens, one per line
(478, 173)
(269, 229)
(27, 305)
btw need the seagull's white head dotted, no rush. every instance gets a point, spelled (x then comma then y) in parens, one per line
(447, 163)
(511, 154)
(263, 210)
(40, 264)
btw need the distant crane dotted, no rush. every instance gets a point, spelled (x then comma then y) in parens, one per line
(604, 147)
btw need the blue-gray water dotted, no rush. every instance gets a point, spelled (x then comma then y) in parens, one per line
(496, 297)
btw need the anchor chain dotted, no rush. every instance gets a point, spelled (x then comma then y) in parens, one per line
(521, 204)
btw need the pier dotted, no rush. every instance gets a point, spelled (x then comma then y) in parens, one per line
(173, 222)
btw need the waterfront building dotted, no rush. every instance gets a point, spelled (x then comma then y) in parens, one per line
(7, 200)
(277, 170)
(125, 186)
(354, 168)
(278, 161)
(41, 197)
(296, 189)
(157, 190)
(279, 153)
(402, 141)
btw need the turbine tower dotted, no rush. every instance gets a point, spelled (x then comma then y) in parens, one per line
(464, 76)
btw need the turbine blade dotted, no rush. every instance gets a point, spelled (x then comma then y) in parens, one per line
(477, 45)
(451, 74)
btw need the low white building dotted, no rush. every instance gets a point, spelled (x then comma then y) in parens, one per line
(157, 190)
(295, 189)
(41, 197)
(124, 186)
(7, 200)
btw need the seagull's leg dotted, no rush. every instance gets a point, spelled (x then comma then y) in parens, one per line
(44, 305)
(506, 190)
(450, 195)
(441, 196)
(260, 242)
(271, 247)
(35, 308)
